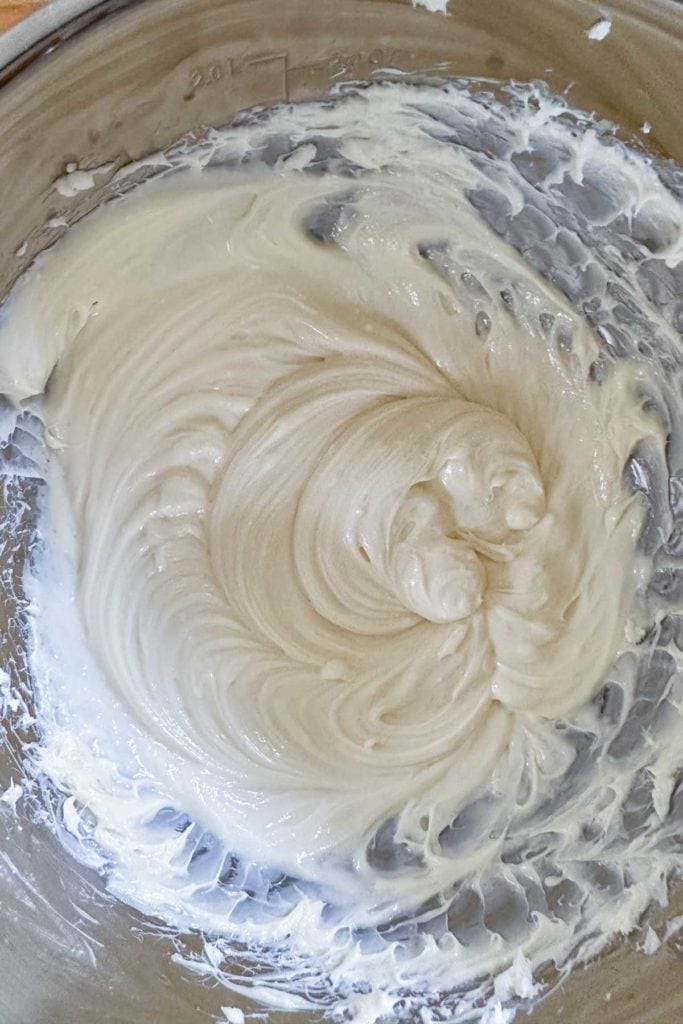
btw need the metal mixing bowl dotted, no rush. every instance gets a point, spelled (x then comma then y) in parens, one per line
(106, 82)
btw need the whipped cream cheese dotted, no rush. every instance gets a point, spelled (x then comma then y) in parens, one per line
(342, 537)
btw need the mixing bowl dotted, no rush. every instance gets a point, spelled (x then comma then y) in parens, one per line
(99, 84)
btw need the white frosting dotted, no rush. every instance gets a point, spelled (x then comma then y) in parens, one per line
(335, 550)
(342, 508)
(435, 6)
(600, 29)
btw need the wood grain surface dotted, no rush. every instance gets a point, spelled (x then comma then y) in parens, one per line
(12, 10)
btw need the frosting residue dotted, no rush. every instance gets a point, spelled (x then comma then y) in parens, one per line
(355, 613)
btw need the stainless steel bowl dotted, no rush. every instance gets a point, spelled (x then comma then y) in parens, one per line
(107, 82)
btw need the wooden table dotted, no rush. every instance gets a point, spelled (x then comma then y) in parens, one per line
(12, 10)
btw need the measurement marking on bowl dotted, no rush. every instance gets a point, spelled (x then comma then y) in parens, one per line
(337, 64)
(231, 67)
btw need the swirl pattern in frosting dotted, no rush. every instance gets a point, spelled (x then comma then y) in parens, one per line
(344, 499)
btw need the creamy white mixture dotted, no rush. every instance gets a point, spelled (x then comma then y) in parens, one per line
(344, 533)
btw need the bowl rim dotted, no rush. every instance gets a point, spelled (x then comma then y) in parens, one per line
(48, 26)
